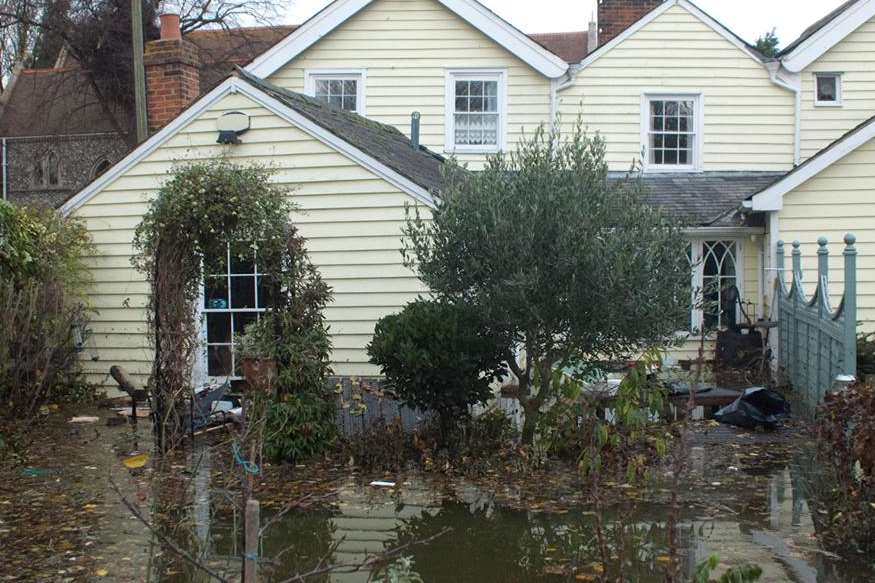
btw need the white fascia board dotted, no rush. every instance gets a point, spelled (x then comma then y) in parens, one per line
(481, 18)
(339, 144)
(720, 29)
(772, 198)
(305, 36)
(653, 15)
(235, 85)
(499, 30)
(829, 36)
(650, 17)
(149, 146)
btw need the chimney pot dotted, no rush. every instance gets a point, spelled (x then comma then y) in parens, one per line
(170, 27)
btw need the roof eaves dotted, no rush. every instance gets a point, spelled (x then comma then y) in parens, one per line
(844, 145)
(472, 11)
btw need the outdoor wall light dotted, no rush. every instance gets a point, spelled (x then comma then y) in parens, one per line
(231, 126)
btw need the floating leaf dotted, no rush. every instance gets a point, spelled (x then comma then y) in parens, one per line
(101, 573)
(136, 461)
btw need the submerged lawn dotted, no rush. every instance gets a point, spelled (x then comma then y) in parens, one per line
(746, 500)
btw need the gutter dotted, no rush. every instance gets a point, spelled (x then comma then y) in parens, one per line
(792, 82)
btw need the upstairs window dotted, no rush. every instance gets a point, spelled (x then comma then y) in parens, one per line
(671, 133)
(340, 89)
(475, 111)
(828, 89)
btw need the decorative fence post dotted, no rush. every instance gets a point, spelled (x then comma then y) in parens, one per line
(816, 345)
(849, 306)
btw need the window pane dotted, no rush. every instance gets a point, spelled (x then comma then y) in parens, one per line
(670, 157)
(827, 88)
(216, 293)
(476, 88)
(322, 88)
(491, 88)
(349, 103)
(219, 328)
(219, 361)
(684, 157)
(657, 107)
(349, 87)
(242, 292)
(242, 262)
(242, 320)
(476, 104)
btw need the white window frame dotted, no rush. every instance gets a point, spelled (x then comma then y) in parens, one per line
(838, 101)
(200, 372)
(360, 76)
(697, 245)
(453, 75)
(698, 138)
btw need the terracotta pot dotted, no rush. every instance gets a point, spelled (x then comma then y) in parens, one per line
(260, 373)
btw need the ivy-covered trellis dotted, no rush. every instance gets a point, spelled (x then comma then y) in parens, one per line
(201, 211)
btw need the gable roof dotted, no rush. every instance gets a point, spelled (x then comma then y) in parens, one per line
(826, 33)
(703, 16)
(477, 15)
(384, 142)
(382, 149)
(771, 198)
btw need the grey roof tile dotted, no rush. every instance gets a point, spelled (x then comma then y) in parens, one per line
(707, 199)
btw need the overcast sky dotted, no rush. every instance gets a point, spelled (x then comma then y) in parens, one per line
(748, 18)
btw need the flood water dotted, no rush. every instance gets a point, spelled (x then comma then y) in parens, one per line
(746, 500)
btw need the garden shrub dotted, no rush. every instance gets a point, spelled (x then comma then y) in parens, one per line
(438, 357)
(42, 285)
(865, 354)
(846, 437)
(299, 426)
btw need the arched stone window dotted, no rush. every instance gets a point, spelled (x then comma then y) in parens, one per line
(52, 172)
(100, 168)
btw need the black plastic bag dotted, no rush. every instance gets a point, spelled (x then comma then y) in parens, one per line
(757, 407)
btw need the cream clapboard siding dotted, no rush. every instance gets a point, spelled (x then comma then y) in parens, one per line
(406, 47)
(749, 121)
(854, 58)
(837, 201)
(351, 218)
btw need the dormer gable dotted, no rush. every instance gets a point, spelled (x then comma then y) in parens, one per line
(490, 24)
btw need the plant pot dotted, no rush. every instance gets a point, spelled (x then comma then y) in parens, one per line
(259, 373)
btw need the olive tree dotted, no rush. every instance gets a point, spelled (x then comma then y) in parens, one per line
(568, 265)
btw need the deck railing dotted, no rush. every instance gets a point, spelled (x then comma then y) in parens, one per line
(817, 345)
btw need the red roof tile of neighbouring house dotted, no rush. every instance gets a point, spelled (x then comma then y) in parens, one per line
(570, 46)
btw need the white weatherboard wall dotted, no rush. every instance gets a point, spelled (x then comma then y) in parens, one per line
(351, 218)
(406, 48)
(836, 201)
(748, 120)
(854, 58)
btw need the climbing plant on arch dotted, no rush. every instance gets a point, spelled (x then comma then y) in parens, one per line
(201, 210)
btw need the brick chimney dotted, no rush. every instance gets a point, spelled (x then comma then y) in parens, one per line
(172, 78)
(615, 16)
